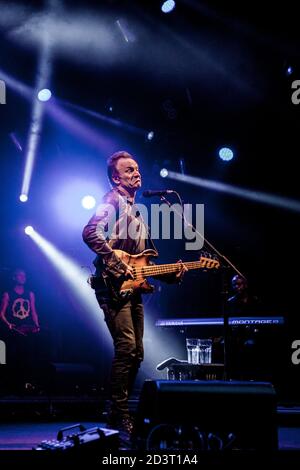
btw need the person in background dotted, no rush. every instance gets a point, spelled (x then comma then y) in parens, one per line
(243, 302)
(20, 329)
(18, 311)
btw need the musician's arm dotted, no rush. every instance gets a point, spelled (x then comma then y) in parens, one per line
(34, 314)
(4, 305)
(95, 235)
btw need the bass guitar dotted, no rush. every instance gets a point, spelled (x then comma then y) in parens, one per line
(143, 268)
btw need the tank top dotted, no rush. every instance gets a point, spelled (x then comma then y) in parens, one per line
(19, 308)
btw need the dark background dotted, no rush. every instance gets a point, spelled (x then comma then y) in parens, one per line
(205, 76)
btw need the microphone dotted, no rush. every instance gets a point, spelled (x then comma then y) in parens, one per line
(150, 193)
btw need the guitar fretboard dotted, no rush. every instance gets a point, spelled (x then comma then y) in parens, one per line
(156, 270)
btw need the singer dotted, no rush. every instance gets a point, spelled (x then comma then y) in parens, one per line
(124, 317)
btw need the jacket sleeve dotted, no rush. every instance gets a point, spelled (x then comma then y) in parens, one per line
(96, 233)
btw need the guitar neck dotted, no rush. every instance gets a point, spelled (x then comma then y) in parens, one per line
(158, 270)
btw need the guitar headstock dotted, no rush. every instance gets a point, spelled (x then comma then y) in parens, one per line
(209, 261)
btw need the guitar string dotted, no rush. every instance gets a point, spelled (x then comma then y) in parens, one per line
(165, 271)
(142, 272)
(176, 265)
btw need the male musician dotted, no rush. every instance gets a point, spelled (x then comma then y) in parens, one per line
(124, 317)
(242, 303)
(244, 351)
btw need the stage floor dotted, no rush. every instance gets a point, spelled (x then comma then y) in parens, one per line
(26, 434)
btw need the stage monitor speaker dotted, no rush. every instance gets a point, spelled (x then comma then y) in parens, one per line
(206, 415)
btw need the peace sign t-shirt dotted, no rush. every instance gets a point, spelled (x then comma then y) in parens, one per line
(19, 309)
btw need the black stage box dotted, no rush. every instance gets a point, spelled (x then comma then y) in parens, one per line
(207, 415)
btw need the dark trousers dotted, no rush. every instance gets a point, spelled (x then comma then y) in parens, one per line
(125, 322)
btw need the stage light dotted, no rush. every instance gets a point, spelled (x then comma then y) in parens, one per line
(76, 280)
(168, 6)
(57, 113)
(23, 197)
(75, 196)
(164, 173)
(182, 165)
(252, 195)
(226, 154)
(35, 129)
(70, 122)
(88, 202)
(125, 30)
(29, 230)
(15, 141)
(44, 94)
(150, 135)
(289, 70)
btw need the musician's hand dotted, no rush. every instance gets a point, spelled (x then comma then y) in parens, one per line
(129, 272)
(180, 274)
(11, 326)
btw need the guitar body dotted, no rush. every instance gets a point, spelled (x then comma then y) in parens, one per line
(143, 268)
(140, 284)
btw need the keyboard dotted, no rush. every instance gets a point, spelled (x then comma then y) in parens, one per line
(233, 321)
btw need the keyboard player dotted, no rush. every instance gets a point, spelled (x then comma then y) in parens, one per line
(243, 302)
(246, 344)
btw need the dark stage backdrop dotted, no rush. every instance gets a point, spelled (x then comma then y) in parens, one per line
(201, 78)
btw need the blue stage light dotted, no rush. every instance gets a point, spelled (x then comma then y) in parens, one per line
(29, 230)
(168, 6)
(226, 154)
(44, 94)
(164, 172)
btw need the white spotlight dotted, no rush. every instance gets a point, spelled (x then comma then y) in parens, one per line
(71, 272)
(23, 197)
(150, 135)
(164, 173)
(29, 230)
(257, 196)
(88, 202)
(168, 6)
(226, 154)
(37, 113)
(44, 94)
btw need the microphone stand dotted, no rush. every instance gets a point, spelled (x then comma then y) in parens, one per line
(226, 264)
